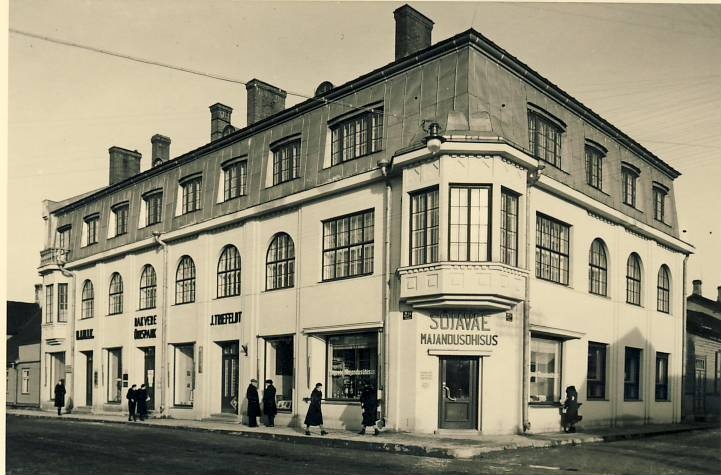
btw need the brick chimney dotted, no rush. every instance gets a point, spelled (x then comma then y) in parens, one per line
(718, 294)
(413, 31)
(697, 287)
(220, 120)
(123, 164)
(264, 100)
(161, 149)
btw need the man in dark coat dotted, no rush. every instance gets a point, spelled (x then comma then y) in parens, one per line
(314, 416)
(570, 410)
(270, 409)
(142, 399)
(132, 397)
(60, 395)
(253, 403)
(369, 403)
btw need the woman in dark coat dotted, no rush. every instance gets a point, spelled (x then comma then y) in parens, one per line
(60, 395)
(314, 416)
(270, 409)
(251, 394)
(369, 403)
(570, 410)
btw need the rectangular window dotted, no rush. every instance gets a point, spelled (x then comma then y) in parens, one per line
(25, 382)
(191, 194)
(545, 384)
(509, 228)
(348, 246)
(121, 219)
(594, 167)
(424, 227)
(184, 375)
(469, 223)
(358, 136)
(49, 303)
(632, 375)
(62, 303)
(552, 249)
(279, 368)
(544, 138)
(352, 363)
(62, 239)
(596, 375)
(659, 204)
(286, 162)
(153, 208)
(629, 186)
(234, 180)
(115, 375)
(661, 376)
(91, 230)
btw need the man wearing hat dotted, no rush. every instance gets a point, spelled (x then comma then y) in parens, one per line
(253, 403)
(269, 407)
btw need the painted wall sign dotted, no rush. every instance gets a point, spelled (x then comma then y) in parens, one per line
(225, 318)
(86, 334)
(458, 328)
(141, 333)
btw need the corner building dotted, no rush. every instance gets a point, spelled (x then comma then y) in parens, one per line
(451, 228)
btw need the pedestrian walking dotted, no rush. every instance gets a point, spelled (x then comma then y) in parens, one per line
(570, 416)
(369, 403)
(314, 416)
(132, 397)
(270, 409)
(143, 398)
(251, 394)
(60, 395)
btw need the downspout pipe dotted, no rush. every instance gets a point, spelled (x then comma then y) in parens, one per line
(71, 315)
(163, 329)
(684, 356)
(385, 166)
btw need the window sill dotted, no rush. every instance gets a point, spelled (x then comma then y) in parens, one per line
(88, 245)
(337, 279)
(146, 308)
(632, 207)
(602, 296)
(282, 182)
(228, 200)
(187, 213)
(553, 282)
(662, 222)
(182, 303)
(354, 158)
(663, 400)
(634, 304)
(227, 297)
(279, 288)
(114, 314)
(632, 400)
(118, 235)
(552, 165)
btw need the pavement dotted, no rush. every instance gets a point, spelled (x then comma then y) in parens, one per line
(439, 446)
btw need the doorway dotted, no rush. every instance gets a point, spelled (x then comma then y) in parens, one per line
(699, 388)
(458, 393)
(88, 378)
(229, 378)
(149, 374)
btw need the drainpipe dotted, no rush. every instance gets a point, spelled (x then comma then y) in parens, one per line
(684, 361)
(163, 328)
(385, 166)
(71, 316)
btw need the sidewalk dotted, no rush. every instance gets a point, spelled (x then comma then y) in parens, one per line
(462, 447)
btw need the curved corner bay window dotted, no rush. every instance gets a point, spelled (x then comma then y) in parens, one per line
(348, 246)
(597, 268)
(663, 290)
(185, 281)
(280, 263)
(352, 363)
(545, 371)
(184, 381)
(229, 272)
(633, 279)
(360, 135)
(424, 227)
(544, 137)
(286, 162)
(552, 249)
(148, 287)
(115, 300)
(469, 223)
(87, 300)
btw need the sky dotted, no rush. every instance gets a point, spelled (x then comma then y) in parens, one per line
(653, 70)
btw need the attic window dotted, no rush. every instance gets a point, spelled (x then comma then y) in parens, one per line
(545, 136)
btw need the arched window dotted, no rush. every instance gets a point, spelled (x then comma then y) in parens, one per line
(229, 272)
(597, 268)
(185, 281)
(280, 263)
(115, 300)
(88, 300)
(633, 279)
(148, 287)
(663, 290)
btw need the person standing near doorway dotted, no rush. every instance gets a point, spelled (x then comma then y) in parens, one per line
(369, 403)
(60, 395)
(251, 394)
(132, 397)
(314, 416)
(142, 400)
(270, 409)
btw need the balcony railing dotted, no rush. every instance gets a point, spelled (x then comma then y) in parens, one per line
(53, 256)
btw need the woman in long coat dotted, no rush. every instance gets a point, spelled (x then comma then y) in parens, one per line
(369, 403)
(251, 394)
(60, 395)
(570, 410)
(314, 416)
(270, 408)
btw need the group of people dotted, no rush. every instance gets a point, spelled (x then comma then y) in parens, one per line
(137, 402)
(314, 416)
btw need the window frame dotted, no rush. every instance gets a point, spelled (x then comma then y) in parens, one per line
(62, 316)
(366, 264)
(176, 347)
(633, 281)
(602, 367)
(192, 191)
(541, 249)
(25, 381)
(230, 276)
(506, 233)
(49, 297)
(121, 212)
(538, 121)
(468, 245)
(594, 157)
(115, 294)
(663, 294)
(235, 186)
(639, 379)
(598, 268)
(557, 373)
(148, 289)
(660, 193)
(372, 119)
(662, 383)
(373, 356)
(287, 278)
(118, 387)
(87, 302)
(91, 229)
(286, 160)
(151, 198)
(629, 184)
(63, 236)
(428, 246)
(185, 286)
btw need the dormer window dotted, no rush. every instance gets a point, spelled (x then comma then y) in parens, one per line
(191, 188)
(659, 202)
(62, 238)
(235, 177)
(544, 136)
(357, 136)
(90, 233)
(594, 166)
(286, 161)
(120, 219)
(153, 202)
(629, 177)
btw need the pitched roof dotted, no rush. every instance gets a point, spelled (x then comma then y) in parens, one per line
(27, 318)
(18, 314)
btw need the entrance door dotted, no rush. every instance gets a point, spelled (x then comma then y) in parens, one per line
(699, 388)
(458, 393)
(88, 378)
(229, 378)
(149, 374)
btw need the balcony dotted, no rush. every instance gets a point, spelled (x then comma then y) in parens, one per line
(484, 286)
(53, 256)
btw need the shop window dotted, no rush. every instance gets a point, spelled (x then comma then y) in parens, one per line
(49, 297)
(115, 375)
(25, 382)
(115, 295)
(280, 263)
(662, 376)
(348, 246)
(509, 227)
(469, 223)
(62, 303)
(184, 364)
(185, 281)
(279, 367)
(352, 363)
(663, 290)
(545, 371)
(228, 278)
(148, 287)
(358, 136)
(597, 268)
(286, 162)
(552, 249)
(596, 375)
(633, 279)
(87, 300)
(424, 227)
(632, 375)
